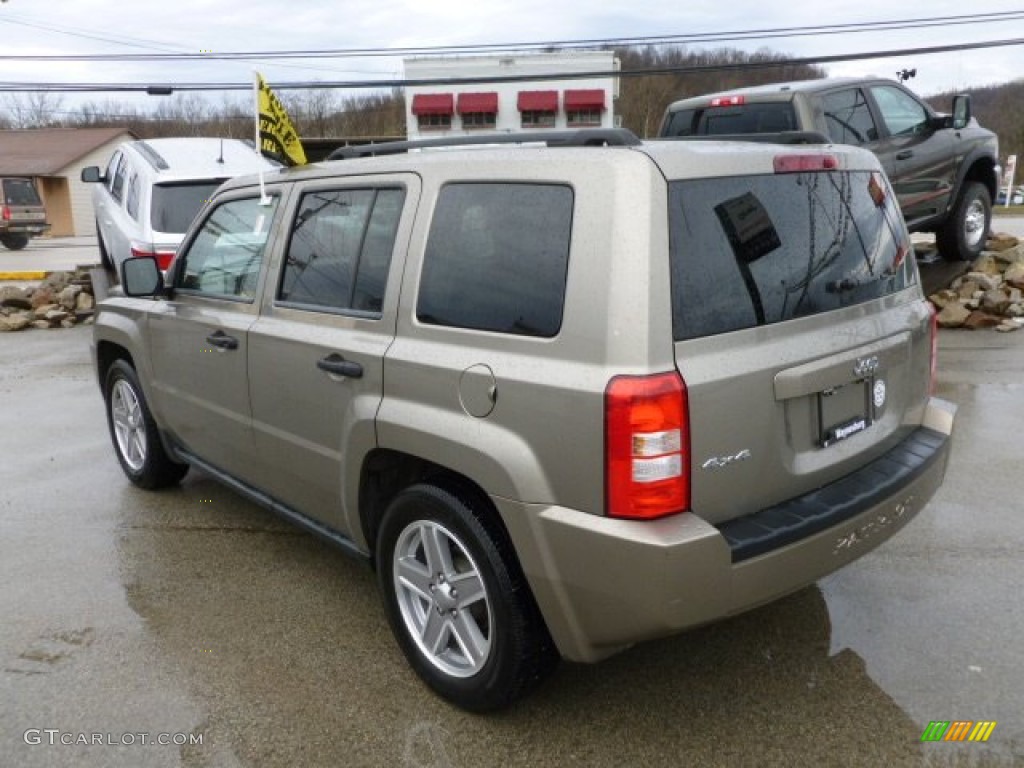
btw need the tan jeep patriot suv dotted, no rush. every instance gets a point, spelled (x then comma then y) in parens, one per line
(564, 393)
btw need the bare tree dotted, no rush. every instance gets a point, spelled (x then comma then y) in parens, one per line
(37, 109)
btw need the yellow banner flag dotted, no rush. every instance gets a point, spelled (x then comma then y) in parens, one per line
(277, 136)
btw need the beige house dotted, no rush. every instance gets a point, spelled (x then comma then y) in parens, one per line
(55, 157)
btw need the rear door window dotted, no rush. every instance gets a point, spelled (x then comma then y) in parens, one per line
(496, 258)
(340, 249)
(848, 118)
(756, 250)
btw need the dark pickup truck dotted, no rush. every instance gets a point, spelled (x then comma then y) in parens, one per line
(944, 168)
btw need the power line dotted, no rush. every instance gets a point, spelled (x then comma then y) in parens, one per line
(701, 37)
(165, 88)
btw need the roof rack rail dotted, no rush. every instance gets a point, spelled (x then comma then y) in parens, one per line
(582, 137)
(153, 157)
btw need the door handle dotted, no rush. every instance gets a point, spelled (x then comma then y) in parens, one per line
(222, 340)
(906, 154)
(336, 364)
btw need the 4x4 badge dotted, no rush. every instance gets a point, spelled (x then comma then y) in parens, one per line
(865, 366)
(717, 462)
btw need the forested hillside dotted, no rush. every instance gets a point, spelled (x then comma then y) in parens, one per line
(999, 108)
(326, 113)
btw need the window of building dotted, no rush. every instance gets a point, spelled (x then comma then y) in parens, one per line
(537, 109)
(584, 107)
(479, 120)
(537, 119)
(478, 110)
(496, 258)
(583, 117)
(434, 122)
(433, 111)
(340, 249)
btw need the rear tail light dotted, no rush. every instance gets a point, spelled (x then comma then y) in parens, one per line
(876, 188)
(935, 348)
(727, 101)
(162, 255)
(7, 213)
(802, 163)
(647, 446)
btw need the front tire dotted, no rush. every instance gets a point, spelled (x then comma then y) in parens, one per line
(134, 432)
(14, 242)
(962, 237)
(457, 601)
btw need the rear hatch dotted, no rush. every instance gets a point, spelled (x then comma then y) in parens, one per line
(799, 327)
(20, 204)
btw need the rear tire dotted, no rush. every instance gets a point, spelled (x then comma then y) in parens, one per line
(457, 600)
(14, 242)
(134, 432)
(962, 236)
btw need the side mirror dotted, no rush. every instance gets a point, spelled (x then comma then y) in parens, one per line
(961, 111)
(91, 174)
(141, 276)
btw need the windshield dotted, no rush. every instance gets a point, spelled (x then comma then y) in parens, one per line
(20, 192)
(755, 250)
(176, 205)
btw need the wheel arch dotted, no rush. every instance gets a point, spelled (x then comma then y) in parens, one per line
(386, 472)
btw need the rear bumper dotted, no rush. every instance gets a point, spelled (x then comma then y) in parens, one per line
(604, 584)
(26, 228)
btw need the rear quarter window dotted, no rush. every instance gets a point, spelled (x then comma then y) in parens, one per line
(496, 258)
(756, 250)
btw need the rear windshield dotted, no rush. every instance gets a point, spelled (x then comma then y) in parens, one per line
(175, 205)
(756, 250)
(20, 192)
(770, 117)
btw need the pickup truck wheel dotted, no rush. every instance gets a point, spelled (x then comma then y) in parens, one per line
(14, 242)
(457, 600)
(134, 432)
(962, 237)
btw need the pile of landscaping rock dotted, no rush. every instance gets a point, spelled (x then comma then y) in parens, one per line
(61, 300)
(990, 294)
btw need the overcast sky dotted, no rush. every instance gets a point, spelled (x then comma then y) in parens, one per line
(66, 26)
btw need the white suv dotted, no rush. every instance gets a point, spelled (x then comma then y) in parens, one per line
(153, 189)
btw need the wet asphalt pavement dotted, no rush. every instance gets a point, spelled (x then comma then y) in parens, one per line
(127, 616)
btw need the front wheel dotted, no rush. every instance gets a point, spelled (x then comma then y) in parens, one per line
(962, 237)
(457, 600)
(134, 432)
(14, 242)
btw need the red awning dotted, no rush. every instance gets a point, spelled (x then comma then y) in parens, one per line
(433, 104)
(584, 99)
(538, 101)
(479, 102)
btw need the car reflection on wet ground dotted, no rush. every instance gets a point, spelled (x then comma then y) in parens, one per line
(194, 612)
